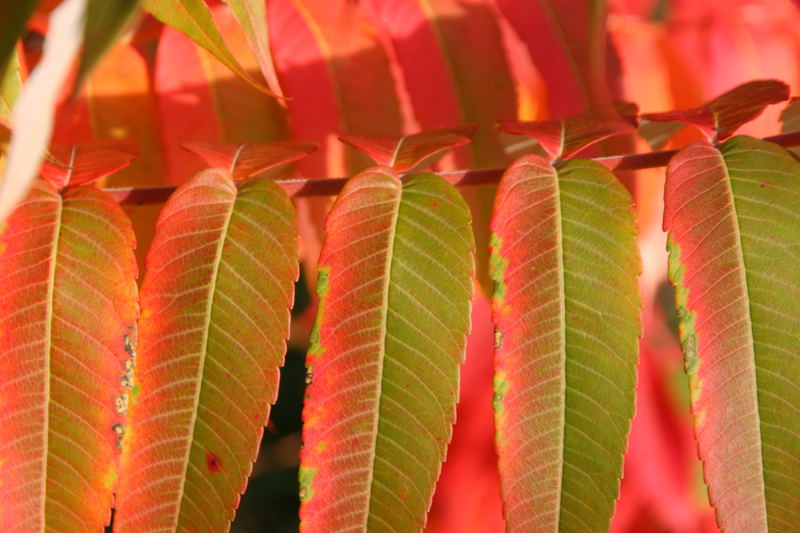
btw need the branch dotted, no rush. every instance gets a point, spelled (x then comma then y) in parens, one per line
(300, 187)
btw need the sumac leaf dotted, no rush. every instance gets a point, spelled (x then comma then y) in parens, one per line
(86, 163)
(68, 299)
(394, 286)
(193, 18)
(406, 152)
(252, 17)
(245, 160)
(566, 312)
(563, 138)
(733, 216)
(215, 316)
(719, 118)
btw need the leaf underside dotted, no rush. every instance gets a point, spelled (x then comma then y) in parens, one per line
(566, 310)
(215, 316)
(734, 241)
(395, 287)
(719, 118)
(67, 273)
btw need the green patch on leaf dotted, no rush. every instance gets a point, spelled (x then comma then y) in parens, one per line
(497, 269)
(323, 286)
(686, 318)
(306, 478)
(501, 386)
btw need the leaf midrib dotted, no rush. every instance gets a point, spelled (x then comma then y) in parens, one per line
(204, 353)
(382, 354)
(563, 330)
(48, 349)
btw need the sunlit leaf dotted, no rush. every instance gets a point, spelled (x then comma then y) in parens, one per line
(252, 17)
(569, 46)
(86, 163)
(215, 316)
(10, 86)
(105, 21)
(394, 287)
(562, 138)
(722, 116)
(566, 311)
(406, 152)
(245, 160)
(189, 82)
(193, 18)
(68, 301)
(33, 111)
(734, 243)
(452, 76)
(338, 78)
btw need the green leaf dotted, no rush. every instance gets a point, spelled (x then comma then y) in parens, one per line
(12, 24)
(105, 21)
(10, 87)
(566, 313)
(252, 17)
(395, 287)
(68, 301)
(193, 18)
(733, 216)
(215, 316)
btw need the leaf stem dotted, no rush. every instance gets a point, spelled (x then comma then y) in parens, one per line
(302, 187)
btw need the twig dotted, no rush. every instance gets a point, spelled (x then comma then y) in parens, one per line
(300, 187)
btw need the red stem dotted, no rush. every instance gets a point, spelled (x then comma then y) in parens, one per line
(298, 187)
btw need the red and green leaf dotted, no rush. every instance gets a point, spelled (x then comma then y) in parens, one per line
(732, 217)
(394, 287)
(566, 312)
(563, 138)
(67, 306)
(722, 116)
(407, 152)
(215, 316)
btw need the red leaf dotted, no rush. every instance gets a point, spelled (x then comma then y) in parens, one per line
(406, 152)
(82, 164)
(337, 77)
(562, 138)
(722, 116)
(245, 160)
(562, 39)
(67, 303)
